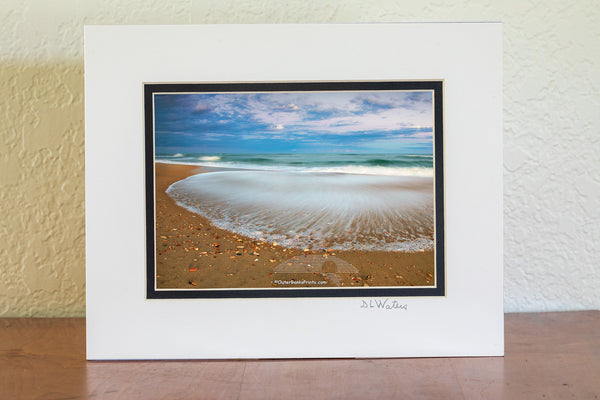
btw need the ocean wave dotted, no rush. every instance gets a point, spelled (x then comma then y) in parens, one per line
(359, 164)
(318, 210)
(378, 170)
(348, 169)
(176, 155)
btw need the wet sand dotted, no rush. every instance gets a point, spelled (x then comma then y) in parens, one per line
(192, 253)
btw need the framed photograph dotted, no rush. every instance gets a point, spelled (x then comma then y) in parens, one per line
(312, 189)
(293, 191)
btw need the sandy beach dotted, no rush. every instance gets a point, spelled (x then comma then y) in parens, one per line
(192, 253)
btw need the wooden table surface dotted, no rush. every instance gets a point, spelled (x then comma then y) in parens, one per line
(548, 356)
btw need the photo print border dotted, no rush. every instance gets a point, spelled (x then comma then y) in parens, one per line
(436, 86)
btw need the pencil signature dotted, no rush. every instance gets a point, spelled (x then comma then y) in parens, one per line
(383, 304)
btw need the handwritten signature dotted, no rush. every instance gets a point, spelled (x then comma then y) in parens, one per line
(383, 304)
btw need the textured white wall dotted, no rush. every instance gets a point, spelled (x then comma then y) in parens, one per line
(551, 135)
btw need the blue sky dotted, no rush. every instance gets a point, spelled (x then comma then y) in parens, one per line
(294, 122)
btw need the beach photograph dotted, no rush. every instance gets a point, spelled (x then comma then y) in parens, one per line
(297, 189)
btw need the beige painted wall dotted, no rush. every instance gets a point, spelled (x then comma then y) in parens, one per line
(551, 135)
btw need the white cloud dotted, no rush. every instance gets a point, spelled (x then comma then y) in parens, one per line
(386, 120)
(428, 135)
(342, 112)
(289, 107)
(202, 108)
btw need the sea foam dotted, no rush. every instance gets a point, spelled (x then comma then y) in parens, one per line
(315, 210)
(347, 169)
